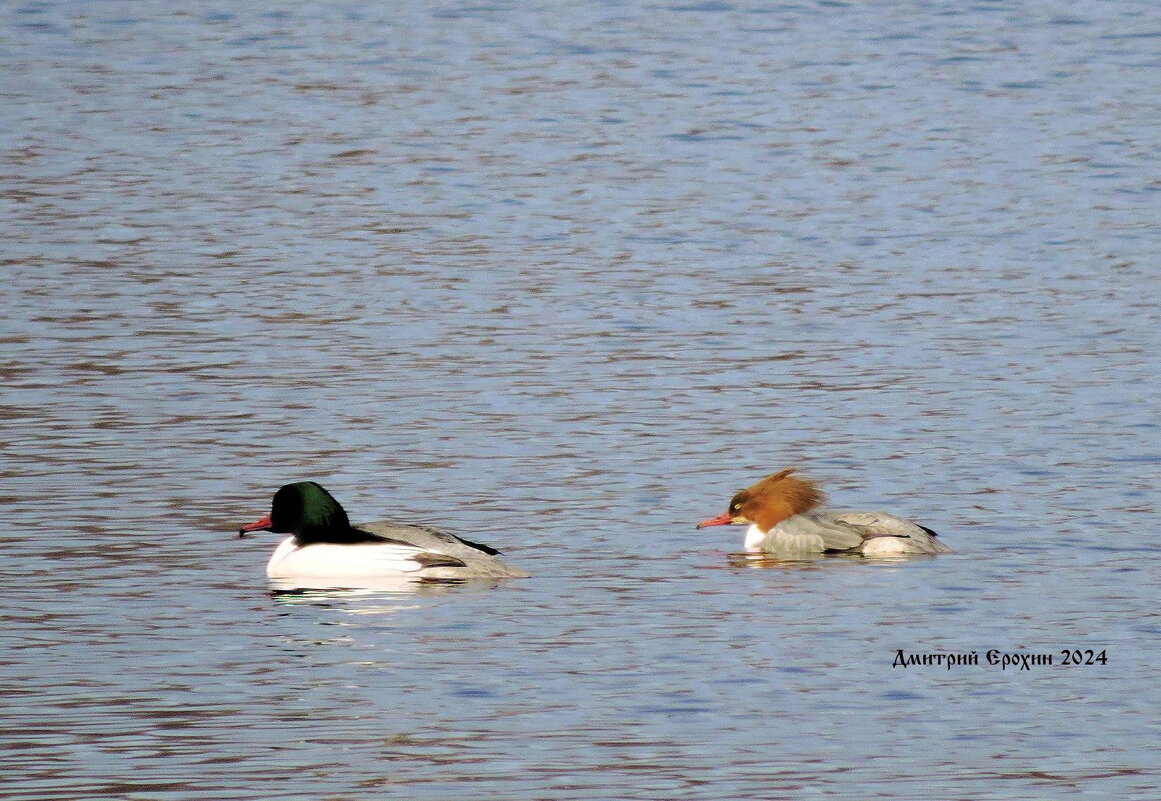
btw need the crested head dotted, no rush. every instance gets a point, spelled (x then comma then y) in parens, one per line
(306, 510)
(775, 498)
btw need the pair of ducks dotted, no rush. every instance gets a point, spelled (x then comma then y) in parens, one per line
(782, 511)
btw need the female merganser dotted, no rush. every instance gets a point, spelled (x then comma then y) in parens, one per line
(782, 511)
(325, 545)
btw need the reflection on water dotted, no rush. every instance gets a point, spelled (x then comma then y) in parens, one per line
(557, 278)
(817, 561)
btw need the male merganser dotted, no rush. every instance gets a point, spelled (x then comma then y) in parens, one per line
(782, 511)
(324, 544)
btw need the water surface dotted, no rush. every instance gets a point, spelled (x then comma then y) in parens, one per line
(562, 279)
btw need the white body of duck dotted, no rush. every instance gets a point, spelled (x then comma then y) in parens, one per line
(784, 520)
(842, 530)
(324, 546)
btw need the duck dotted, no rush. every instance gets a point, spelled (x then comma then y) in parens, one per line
(324, 545)
(784, 517)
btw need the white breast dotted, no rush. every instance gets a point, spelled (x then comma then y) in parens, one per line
(325, 559)
(782, 541)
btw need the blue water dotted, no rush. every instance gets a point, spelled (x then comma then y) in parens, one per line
(562, 279)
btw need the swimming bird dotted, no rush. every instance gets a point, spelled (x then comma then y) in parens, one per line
(324, 545)
(783, 513)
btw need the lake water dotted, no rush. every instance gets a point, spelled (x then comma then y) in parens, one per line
(561, 278)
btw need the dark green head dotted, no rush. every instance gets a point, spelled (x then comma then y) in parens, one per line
(307, 511)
